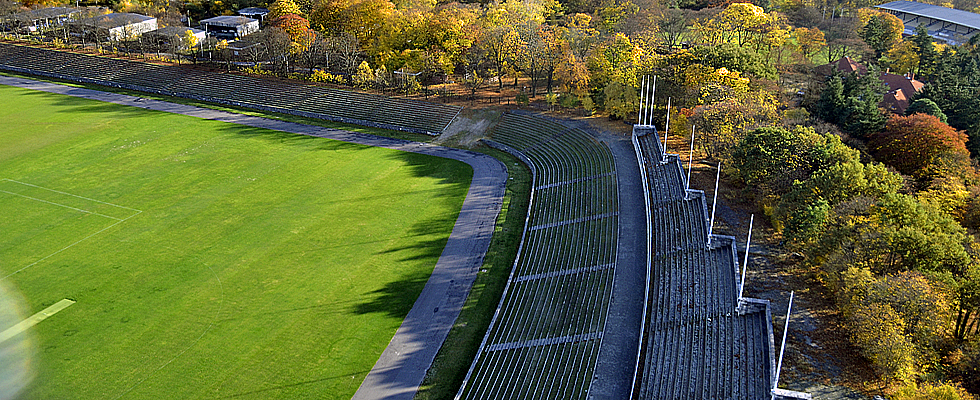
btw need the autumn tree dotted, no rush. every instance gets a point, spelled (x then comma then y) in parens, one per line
(499, 43)
(315, 49)
(903, 58)
(881, 31)
(614, 67)
(809, 41)
(913, 143)
(370, 21)
(734, 58)
(842, 37)
(278, 47)
(298, 30)
(279, 8)
(348, 49)
(930, 391)
(671, 25)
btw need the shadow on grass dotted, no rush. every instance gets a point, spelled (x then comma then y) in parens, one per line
(72, 104)
(291, 385)
(397, 298)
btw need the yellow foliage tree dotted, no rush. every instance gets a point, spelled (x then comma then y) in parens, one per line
(930, 391)
(903, 57)
(809, 41)
(279, 8)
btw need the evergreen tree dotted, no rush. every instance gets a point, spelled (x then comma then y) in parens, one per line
(832, 101)
(926, 106)
(928, 55)
(863, 115)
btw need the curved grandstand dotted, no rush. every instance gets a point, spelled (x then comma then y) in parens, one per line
(699, 339)
(544, 339)
(230, 89)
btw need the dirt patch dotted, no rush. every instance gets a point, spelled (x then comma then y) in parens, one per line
(469, 126)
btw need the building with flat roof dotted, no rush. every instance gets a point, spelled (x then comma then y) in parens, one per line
(946, 24)
(254, 13)
(38, 20)
(114, 27)
(229, 27)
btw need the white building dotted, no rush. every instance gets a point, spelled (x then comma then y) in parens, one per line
(229, 27)
(115, 26)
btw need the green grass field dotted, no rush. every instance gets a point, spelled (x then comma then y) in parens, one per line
(209, 260)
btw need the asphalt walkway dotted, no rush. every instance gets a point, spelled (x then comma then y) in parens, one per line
(401, 368)
(616, 364)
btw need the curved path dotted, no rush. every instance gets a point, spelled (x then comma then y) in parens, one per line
(616, 363)
(402, 366)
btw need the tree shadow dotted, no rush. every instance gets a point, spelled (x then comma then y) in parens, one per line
(446, 171)
(72, 104)
(397, 298)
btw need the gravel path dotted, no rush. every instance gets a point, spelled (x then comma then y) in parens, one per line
(402, 366)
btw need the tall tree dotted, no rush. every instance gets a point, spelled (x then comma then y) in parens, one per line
(882, 31)
(911, 144)
(928, 55)
(671, 26)
(809, 41)
(279, 8)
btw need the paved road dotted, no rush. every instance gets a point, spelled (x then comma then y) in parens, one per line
(402, 366)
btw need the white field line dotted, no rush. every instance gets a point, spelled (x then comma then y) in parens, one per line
(69, 194)
(26, 324)
(59, 205)
(118, 221)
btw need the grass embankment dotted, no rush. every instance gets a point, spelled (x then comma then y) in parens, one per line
(209, 259)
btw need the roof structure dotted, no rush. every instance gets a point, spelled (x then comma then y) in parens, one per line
(947, 24)
(845, 65)
(253, 11)
(227, 20)
(44, 13)
(114, 20)
(961, 17)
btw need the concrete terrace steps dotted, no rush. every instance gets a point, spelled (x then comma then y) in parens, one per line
(267, 94)
(700, 341)
(544, 340)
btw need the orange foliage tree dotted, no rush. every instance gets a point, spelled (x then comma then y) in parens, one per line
(914, 143)
(298, 29)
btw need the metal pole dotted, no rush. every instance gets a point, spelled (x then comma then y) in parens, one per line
(643, 86)
(653, 94)
(639, 114)
(666, 129)
(745, 262)
(714, 204)
(782, 348)
(690, 164)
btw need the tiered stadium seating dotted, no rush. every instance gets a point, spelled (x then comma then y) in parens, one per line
(700, 341)
(544, 340)
(225, 88)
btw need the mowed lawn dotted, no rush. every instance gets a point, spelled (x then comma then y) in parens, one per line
(209, 260)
